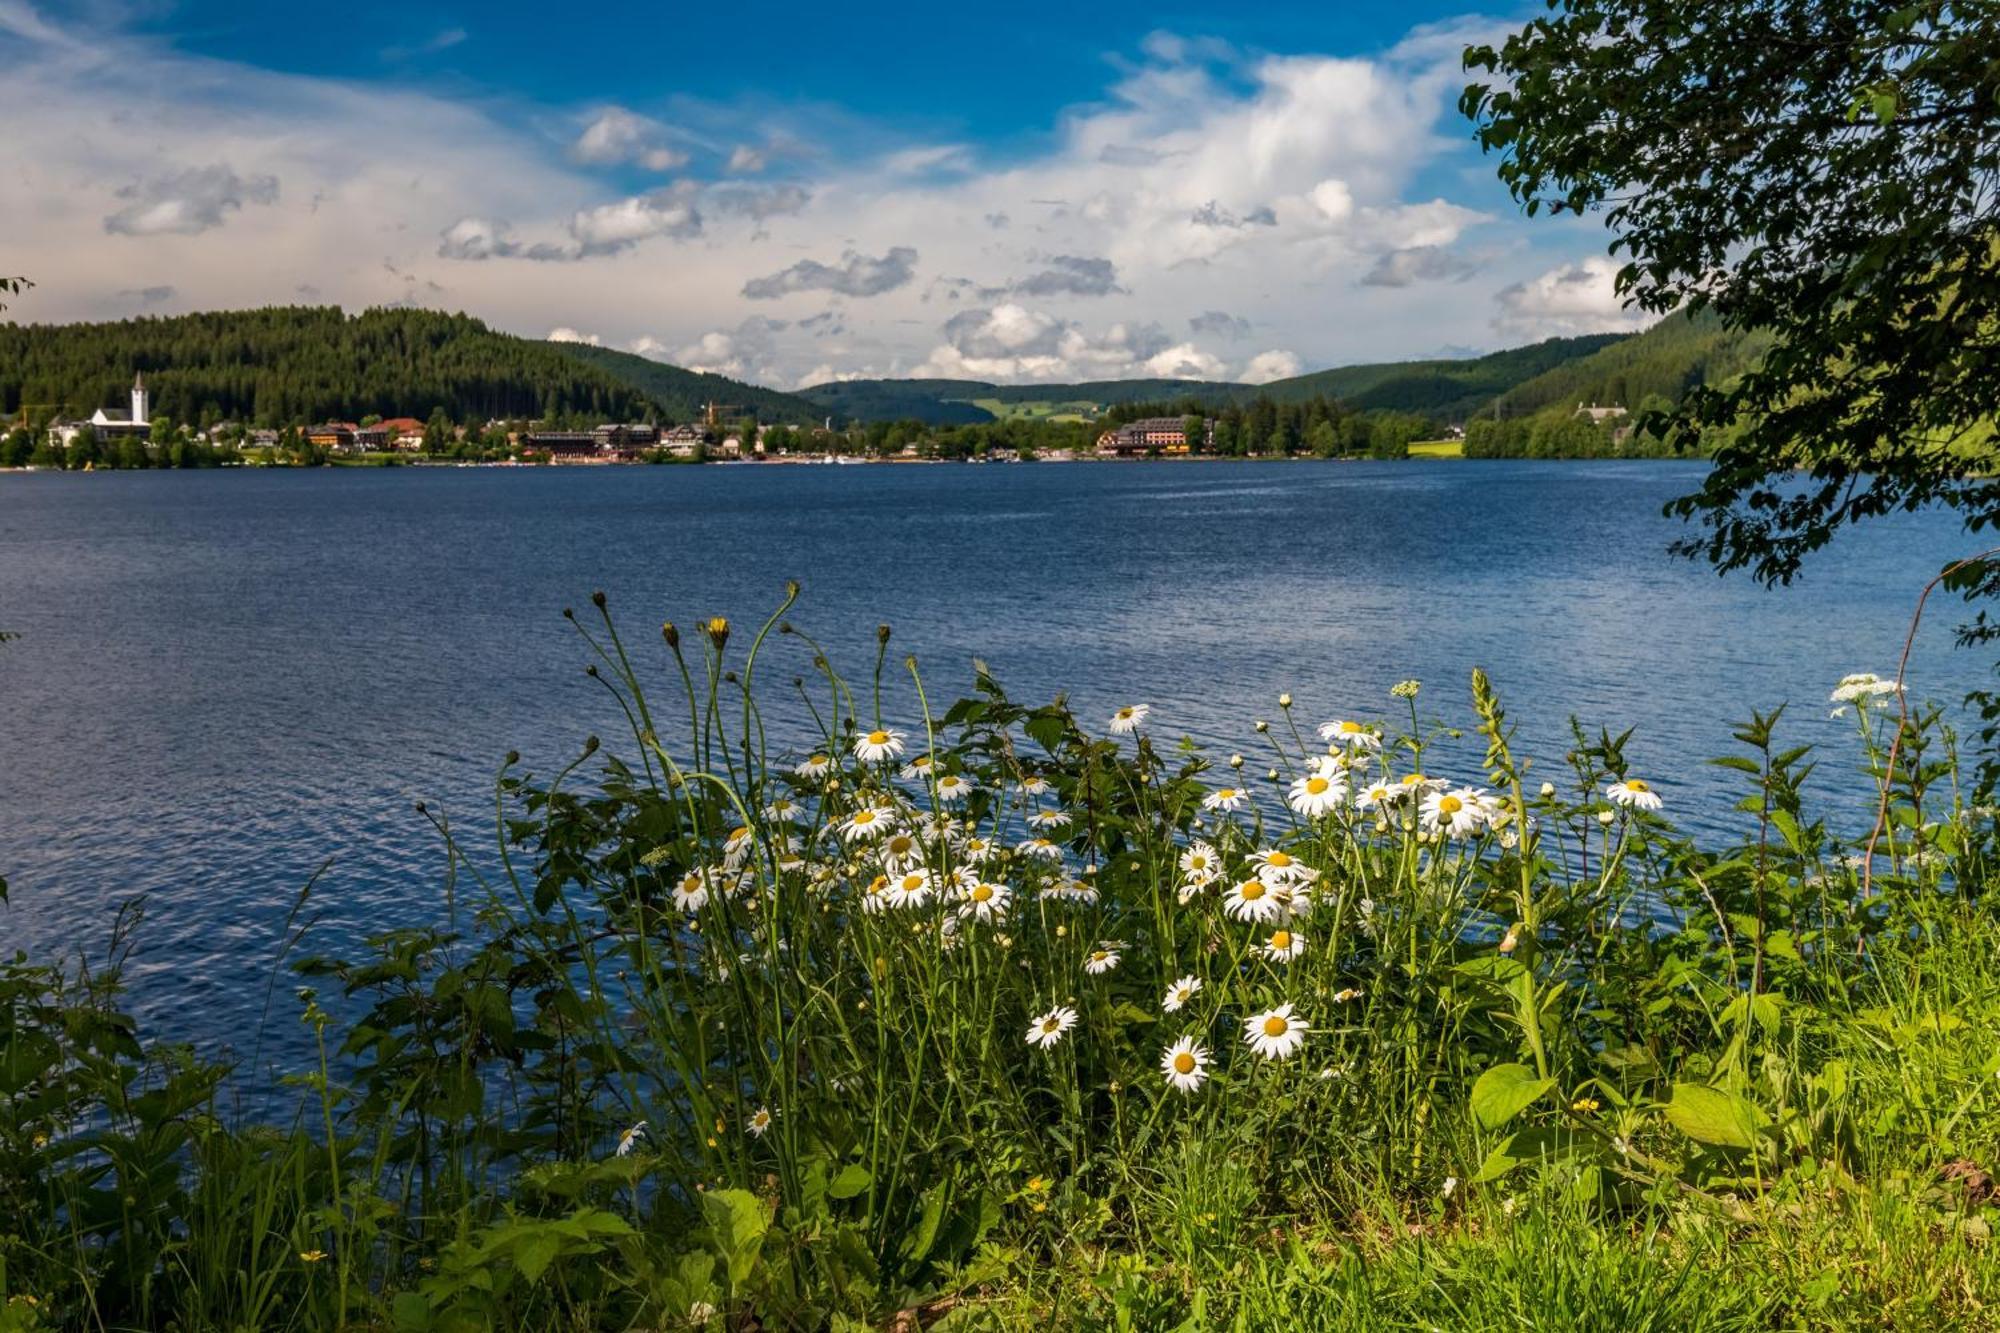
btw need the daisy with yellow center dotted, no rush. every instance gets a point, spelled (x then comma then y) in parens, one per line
(1283, 946)
(878, 744)
(691, 894)
(953, 788)
(1275, 1034)
(977, 850)
(1034, 786)
(1049, 819)
(1225, 798)
(759, 1121)
(910, 889)
(985, 901)
(813, 767)
(917, 768)
(1200, 865)
(1126, 720)
(1281, 867)
(1253, 900)
(1633, 794)
(629, 1140)
(1378, 796)
(1350, 735)
(1316, 795)
(875, 895)
(1180, 993)
(785, 810)
(1047, 1030)
(1456, 814)
(901, 850)
(1100, 960)
(1185, 1063)
(868, 822)
(1040, 849)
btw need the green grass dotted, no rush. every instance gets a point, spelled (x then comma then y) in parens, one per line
(701, 1033)
(1438, 449)
(1036, 409)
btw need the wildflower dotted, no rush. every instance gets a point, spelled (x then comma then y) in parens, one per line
(1200, 865)
(691, 894)
(1278, 867)
(875, 896)
(759, 1121)
(953, 788)
(1450, 1184)
(978, 851)
(736, 847)
(1406, 689)
(1633, 794)
(1034, 786)
(1275, 1034)
(1454, 813)
(1548, 790)
(717, 629)
(1416, 784)
(1225, 798)
(1073, 891)
(1127, 719)
(1316, 795)
(1049, 819)
(1283, 946)
(878, 744)
(311, 1256)
(912, 889)
(1584, 1105)
(868, 821)
(1252, 900)
(1047, 1030)
(1100, 960)
(1039, 848)
(1185, 1063)
(1350, 735)
(1284, 701)
(813, 767)
(917, 769)
(1347, 996)
(900, 851)
(986, 901)
(1378, 795)
(1180, 993)
(784, 810)
(1863, 686)
(630, 1139)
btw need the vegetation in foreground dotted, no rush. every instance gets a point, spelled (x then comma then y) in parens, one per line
(995, 1018)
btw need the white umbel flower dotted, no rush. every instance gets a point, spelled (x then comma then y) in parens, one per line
(881, 743)
(1275, 1034)
(1863, 685)
(1047, 1030)
(1633, 794)
(1180, 993)
(1127, 719)
(1185, 1063)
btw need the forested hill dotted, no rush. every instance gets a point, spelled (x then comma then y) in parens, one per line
(286, 365)
(1675, 355)
(1445, 390)
(682, 393)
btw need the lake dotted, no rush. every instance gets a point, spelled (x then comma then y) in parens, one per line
(225, 680)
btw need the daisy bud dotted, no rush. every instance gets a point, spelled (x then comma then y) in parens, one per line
(792, 588)
(1605, 816)
(1236, 761)
(513, 758)
(717, 630)
(1548, 790)
(671, 634)
(1262, 726)
(1513, 939)
(597, 599)
(1284, 701)
(590, 744)
(1061, 931)
(882, 634)
(1272, 775)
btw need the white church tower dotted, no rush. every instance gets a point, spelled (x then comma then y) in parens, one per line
(141, 401)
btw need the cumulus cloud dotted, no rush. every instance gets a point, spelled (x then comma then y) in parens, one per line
(855, 275)
(1220, 323)
(1419, 263)
(617, 137)
(1213, 214)
(565, 334)
(1070, 275)
(745, 352)
(1010, 341)
(609, 228)
(187, 203)
(1573, 298)
(1267, 366)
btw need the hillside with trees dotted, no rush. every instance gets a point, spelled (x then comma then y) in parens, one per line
(1681, 352)
(681, 394)
(288, 365)
(1450, 390)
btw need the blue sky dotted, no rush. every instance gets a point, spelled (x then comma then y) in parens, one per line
(1033, 192)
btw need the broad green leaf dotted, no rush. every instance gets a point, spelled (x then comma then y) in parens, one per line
(1540, 1144)
(853, 1179)
(737, 1221)
(1504, 1091)
(1712, 1116)
(534, 1254)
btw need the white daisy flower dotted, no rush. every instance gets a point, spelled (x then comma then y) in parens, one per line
(1633, 794)
(910, 889)
(1185, 1063)
(1275, 1034)
(978, 850)
(867, 822)
(985, 901)
(954, 787)
(1047, 1030)
(1280, 867)
(759, 1121)
(1347, 996)
(1072, 891)
(878, 744)
(1316, 795)
(917, 769)
(629, 1140)
(1126, 720)
(1378, 796)
(1350, 735)
(1039, 848)
(1456, 814)
(1180, 993)
(692, 893)
(1416, 784)
(1049, 819)
(875, 895)
(736, 847)
(1200, 864)
(785, 810)
(1225, 798)
(1253, 900)
(813, 767)
(1283, 946)
(1100, 960)
(1034, 786)
(901, 850)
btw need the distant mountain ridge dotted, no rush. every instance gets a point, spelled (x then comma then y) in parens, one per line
(1449, 389)
(683, 393)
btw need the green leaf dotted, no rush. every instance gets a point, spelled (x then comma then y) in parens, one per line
(852, 1179)
(1504, 1091)
(1047, 729)
(534, 1254)
(1540, 1144)
(1712, 1116)
(737, 1221)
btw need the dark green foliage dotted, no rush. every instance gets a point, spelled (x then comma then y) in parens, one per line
(293, 365)
(1681, 353)
(682, 394)
(1448, 390)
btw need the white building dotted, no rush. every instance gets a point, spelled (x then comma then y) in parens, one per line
(111, 423)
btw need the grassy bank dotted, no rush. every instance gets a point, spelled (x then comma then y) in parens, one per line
(991, 1016)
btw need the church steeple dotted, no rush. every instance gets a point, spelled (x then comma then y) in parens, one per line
(141, 400)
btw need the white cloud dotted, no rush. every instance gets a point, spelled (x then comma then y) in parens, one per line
(745, 160)
(617, 137)
(1267, 366)
(188, 202)
(855, 275)
(1574, 298)
(566, 334)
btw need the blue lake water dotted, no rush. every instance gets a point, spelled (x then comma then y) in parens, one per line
(225, 680)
